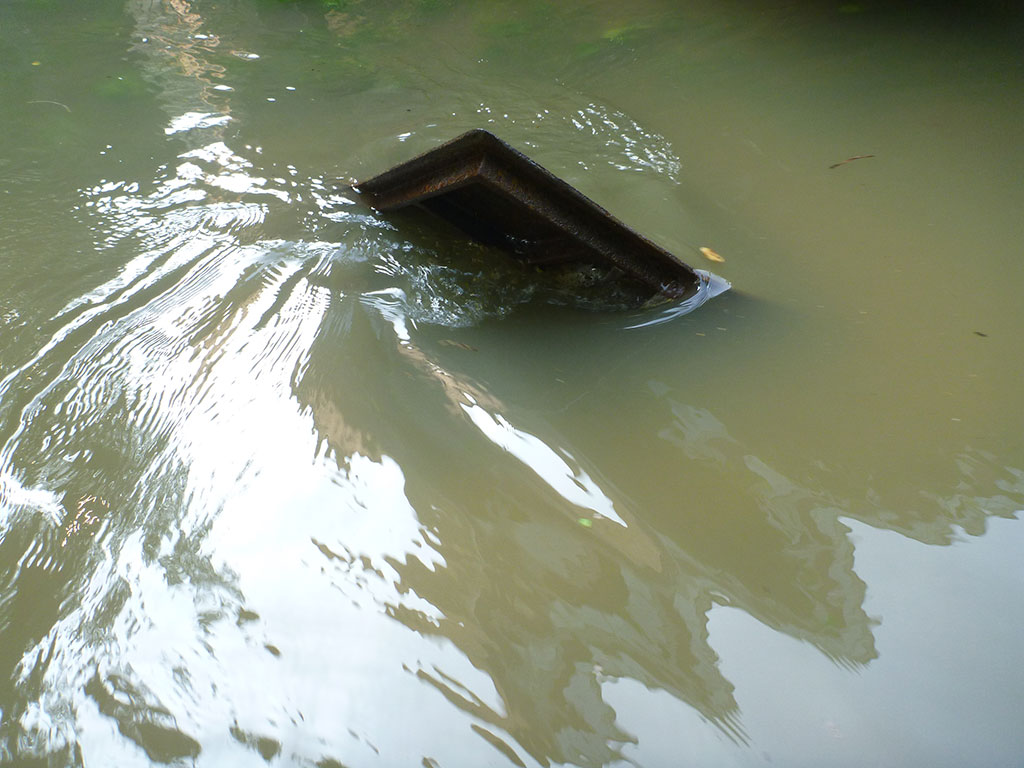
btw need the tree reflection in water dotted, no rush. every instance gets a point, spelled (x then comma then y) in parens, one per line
(550, 608)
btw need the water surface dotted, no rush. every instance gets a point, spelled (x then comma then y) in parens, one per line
(286, 481)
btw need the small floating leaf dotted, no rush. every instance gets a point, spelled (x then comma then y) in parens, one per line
(710, 255)
(586, 522)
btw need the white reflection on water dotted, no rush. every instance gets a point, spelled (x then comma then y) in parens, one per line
(709, 286)
(190, 353)
(14, 495)
(967, 711)
(190, 120)
(641, 149)
(159, 635)
(573, 485)
(231, 176)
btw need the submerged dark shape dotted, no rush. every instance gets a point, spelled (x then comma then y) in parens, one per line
(500, 197)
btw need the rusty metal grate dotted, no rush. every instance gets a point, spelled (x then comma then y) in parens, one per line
(500, 197)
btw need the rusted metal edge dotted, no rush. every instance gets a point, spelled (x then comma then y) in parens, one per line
(499, 196)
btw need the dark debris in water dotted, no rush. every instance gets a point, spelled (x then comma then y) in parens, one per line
(499, 197)
(849, 160)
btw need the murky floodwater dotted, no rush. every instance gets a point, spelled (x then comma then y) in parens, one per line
(283, 480)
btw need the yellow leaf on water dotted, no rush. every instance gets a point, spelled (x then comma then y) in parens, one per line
(710, 255)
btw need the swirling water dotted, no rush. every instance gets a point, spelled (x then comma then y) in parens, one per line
(286, 481)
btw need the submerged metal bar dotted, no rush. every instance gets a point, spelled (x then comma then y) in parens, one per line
(500, 197)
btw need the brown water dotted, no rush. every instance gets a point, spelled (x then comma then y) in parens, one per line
(285, 481)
